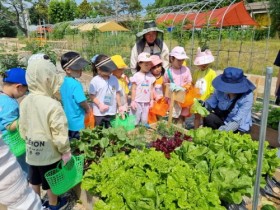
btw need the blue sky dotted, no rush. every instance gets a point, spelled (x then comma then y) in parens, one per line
(143, 2)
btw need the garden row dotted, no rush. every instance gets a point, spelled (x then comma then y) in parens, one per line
(166, 167)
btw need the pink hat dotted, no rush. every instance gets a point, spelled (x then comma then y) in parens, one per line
(202, 58)
(179, 53)
(144, 57)
(155, 60)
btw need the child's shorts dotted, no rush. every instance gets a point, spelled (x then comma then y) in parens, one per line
(36, 175)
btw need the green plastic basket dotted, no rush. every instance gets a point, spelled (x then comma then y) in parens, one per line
(128, 122)
(15, 142)
(64, 177)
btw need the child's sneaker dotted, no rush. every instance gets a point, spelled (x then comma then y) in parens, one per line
(62, 204)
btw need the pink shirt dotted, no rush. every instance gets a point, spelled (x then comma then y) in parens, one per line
(143, 83)
(180, 76)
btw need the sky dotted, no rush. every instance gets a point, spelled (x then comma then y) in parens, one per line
(143, 2)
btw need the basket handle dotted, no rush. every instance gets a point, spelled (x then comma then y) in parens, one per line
(118, 116)
(9, 127)
(60, 164)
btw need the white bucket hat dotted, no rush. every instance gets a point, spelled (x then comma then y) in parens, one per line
(144, 57)
(204, 57)
(179, 53)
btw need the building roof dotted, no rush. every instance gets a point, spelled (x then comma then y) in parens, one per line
(106, 26)
(233, 15)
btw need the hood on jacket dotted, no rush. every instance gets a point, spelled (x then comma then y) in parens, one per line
(42, 79)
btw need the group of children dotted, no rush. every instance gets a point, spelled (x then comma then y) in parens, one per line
(53, 111)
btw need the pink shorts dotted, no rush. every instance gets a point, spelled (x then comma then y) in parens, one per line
(141, 112)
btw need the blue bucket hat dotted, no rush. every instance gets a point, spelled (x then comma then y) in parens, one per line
(233, 81)
(15, 75)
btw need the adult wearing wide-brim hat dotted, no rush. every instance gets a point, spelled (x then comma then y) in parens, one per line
(277, 88)
(149, 40)
(231, 104)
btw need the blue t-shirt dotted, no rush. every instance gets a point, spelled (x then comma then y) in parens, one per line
(9, 111)
(72, 94)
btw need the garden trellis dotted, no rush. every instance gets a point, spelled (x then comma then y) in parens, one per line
(234, 43)
(217, 24)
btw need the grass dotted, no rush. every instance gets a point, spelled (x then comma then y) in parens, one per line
(252, 56)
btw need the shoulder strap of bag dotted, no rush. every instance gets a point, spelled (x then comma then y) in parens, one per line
(234, 102)
(170, 75)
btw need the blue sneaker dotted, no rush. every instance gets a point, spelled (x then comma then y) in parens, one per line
(62, 204)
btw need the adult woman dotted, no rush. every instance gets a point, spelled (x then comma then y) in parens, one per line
(149, 41)
(277, 88)
(231, 102)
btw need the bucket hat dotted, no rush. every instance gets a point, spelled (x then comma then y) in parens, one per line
(118, 60)
(179, 53)
(155, 60)
(233, 81)
(76, 63)
(144, 57)
(204, 57)
(149, 26)
(15, 75)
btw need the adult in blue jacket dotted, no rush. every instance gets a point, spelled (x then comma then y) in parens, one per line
(231, 104)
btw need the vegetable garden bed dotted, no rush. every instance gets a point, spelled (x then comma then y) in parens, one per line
(271, 135)
(204, 169)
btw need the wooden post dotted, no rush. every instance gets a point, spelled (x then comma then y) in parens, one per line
(174, 96)
(171, 108)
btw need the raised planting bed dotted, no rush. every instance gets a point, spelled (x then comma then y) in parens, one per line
(219, 167)
(271, 135)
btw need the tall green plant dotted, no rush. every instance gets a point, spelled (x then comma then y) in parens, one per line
(36, 47)
(9, 61)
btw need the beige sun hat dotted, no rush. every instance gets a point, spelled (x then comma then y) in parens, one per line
(204, 57)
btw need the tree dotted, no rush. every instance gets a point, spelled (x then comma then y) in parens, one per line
(39, 12)
(117, 7)
(8, 29)
(274, 6)
(134, 6)
(15, 11)
(60, 11)
(84, 9)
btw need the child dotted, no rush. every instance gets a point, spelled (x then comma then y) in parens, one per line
(142, 88)
(122, 79)
(160, 106)
(181, 76)
(158, 71)
(44, 126)
(104, 91)
(15, 194)
(73, 97)
(203, 77)
(14, 87)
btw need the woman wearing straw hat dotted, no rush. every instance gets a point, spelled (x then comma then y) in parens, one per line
(231, 102)
(149, 41)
